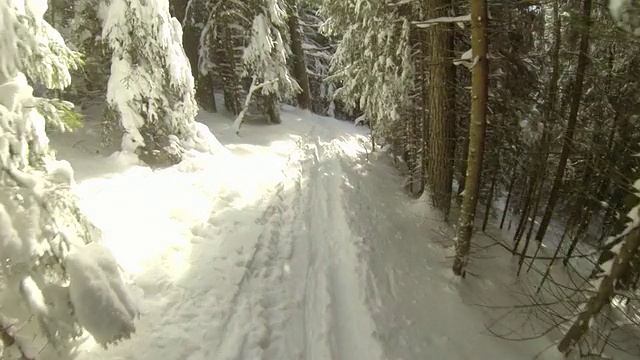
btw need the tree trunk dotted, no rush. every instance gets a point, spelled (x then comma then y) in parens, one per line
(576, 97)
(299, 65)
(477, 129)
(441, 127)
(205, 94)
(272, 108)
(462, 167)
(488, 207)
(512, 182)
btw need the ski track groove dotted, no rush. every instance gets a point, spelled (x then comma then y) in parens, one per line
(295, 297)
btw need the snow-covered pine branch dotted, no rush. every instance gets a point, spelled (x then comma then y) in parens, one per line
(443, 20)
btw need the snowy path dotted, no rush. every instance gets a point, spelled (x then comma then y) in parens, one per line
(274, 273)
(286, 244)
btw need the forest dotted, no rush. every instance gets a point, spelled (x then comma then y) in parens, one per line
(513, 122)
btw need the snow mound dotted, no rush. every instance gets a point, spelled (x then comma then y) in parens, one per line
(100, 298)
(202, 139)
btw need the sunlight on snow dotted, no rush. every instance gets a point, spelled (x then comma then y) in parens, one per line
(147, 217)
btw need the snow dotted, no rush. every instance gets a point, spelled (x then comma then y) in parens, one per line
(443, 20)
(100, 299)
(288, 242)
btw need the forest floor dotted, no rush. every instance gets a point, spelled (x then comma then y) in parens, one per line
(290, 242)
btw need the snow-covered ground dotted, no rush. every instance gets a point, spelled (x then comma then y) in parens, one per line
(290, 242)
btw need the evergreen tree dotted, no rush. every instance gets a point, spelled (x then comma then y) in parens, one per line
(151, 88)
(372, 64)
(265, 57)
(50, 259)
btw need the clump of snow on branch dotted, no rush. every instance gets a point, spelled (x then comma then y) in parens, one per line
(101, 301)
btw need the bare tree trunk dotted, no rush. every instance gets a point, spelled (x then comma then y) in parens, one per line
(522, 223)
(488, 207)
(477, 130)
(299, 65)
(512, 182)
(441, 128)
(462, 169)
(576, 97)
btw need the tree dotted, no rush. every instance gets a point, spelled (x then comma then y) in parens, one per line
(151, 88)
(625, 13)
(298, 56)
(194, 16)
(266, 55)
(85, 37)
(441, 108)
(372, 67)
(51, 259)
(477, 129)
(576, 97)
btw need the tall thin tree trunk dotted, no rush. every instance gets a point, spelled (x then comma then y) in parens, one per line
(477, 130)
(462, 168)
(299, 64)
(576, 97)
(488, 205)
(522, 223)
(441, 128)
(512, 182)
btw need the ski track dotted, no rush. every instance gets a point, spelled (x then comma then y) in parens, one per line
(275, 273)
(297, 295)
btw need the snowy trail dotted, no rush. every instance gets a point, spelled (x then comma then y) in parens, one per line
(304, 233)
(275, 272)
(289, 243)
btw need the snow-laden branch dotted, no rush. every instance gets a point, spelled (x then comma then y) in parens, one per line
(442, 20)
(253, 88)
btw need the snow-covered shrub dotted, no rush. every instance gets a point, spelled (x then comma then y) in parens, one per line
(41, 227)
(151, 88)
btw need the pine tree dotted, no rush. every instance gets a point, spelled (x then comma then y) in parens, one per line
(151, 88)
(477, 130)
(50, 258)
(85, 37)
(299, 63)
(266, 56)
(372, 65)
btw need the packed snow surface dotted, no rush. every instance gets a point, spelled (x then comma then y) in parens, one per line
(286, 242)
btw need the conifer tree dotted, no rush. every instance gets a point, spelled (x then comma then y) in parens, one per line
(151, 88)
(51, 259)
